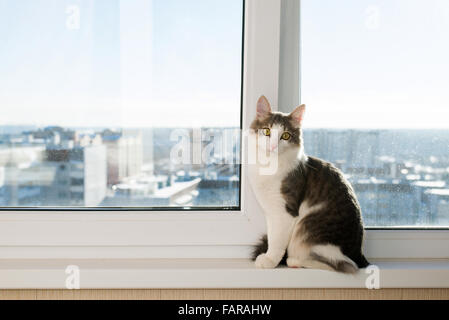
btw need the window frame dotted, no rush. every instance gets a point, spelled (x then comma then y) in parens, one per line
(189, 233)
(154, 229)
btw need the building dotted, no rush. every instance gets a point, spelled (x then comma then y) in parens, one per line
(153, 192)
(438, 202)
(353, 151)
(422, 199)
(20, 177)
(386, 202)
(24, 185)
(80, 176)
(124, 154)
(177, 194)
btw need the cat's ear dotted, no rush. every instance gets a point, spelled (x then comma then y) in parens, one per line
(297, 115)
(263, 108)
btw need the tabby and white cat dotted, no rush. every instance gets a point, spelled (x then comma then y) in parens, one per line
(312, 214)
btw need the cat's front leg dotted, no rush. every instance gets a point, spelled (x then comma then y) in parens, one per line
(279, 229)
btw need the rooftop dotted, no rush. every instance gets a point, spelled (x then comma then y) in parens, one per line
(438, 192)
(430, 184)
(175, 188)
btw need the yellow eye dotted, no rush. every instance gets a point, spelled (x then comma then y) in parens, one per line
(285, 136)
(266, 131)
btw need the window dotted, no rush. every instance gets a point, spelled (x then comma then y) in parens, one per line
(184, 229)
(95, 95)
(191, 228)
(374, 77)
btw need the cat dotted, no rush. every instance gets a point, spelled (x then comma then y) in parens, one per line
(312, 213)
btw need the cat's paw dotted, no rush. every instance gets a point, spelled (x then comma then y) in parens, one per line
(264, 262)
(293, 263)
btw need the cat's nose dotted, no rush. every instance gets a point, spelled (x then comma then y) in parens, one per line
(273, 147)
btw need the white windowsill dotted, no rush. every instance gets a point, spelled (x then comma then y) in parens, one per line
(211, 273)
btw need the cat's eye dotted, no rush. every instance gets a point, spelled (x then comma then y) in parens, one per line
(285, 136)
(266, 132)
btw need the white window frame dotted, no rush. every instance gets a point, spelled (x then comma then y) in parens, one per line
(197, 234)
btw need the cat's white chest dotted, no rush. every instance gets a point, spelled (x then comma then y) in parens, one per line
(267, 189)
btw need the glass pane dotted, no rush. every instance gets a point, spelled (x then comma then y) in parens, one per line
(375, 79)
(107, 103)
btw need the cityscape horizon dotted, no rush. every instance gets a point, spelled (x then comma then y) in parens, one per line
(401, 177)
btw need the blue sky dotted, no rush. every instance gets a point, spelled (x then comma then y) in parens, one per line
(375, 63)
(130, 62)
(365, 63)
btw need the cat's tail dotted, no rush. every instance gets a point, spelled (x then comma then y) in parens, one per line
(361, 261)
(343, 263)
(262, 247)
(339, 265)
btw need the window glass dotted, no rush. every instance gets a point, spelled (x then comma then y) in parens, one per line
(375, 80)
(106, 103)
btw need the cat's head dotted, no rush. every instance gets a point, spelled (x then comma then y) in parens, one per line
(277, 132)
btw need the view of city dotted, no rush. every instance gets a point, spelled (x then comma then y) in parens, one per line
(100, 87)
(80, 74)
(401, 177)
(56, 166)
(379, 80)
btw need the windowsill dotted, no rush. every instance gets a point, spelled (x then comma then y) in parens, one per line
(211, 273)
